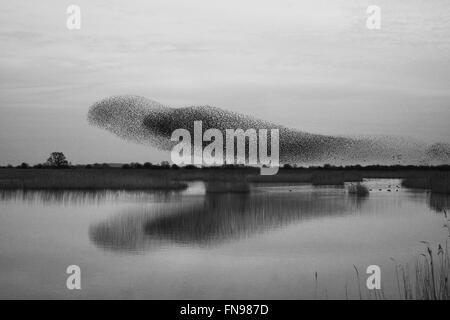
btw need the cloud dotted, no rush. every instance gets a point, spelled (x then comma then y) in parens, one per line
(302, 57)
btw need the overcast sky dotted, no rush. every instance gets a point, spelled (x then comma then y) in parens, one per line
(311, 65)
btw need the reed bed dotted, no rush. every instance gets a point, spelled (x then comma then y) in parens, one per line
(327, 179)
(358, 189)
(429, 277)
(229, 183)
(440, 183)
(227, 187)
(426, 279)
(48, 179)
(436, 182)
(335, 178)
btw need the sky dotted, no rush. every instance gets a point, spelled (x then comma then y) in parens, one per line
(310, 65)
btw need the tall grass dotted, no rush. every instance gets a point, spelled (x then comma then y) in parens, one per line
(323, 179)
(436, 182)
(427, 279)
(440, 183)
(230, 183)
(47, 179)
(358, 189)
(335, 178)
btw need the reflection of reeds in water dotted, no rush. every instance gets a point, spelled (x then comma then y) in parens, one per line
(439, 202)
(83, 197)
(87, 180)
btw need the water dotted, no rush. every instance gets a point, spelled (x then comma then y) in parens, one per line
(268, 244)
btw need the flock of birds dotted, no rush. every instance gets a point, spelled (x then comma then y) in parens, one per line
(141, 120)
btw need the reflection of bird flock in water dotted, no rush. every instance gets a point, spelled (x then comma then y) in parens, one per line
(141, 120)
(210, 220)
(221, 217)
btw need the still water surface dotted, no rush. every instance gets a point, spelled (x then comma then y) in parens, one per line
(268, 244)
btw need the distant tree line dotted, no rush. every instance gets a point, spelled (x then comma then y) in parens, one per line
(57, 160)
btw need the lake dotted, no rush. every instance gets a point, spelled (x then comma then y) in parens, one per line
(280, 241)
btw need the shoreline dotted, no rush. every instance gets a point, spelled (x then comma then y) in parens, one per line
(435, 179)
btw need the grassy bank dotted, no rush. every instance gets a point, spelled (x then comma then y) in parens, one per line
(358, 189)
(167, 178)
(82, 179)
(438, 182)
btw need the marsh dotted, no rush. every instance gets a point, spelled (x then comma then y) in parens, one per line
(268, 243)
